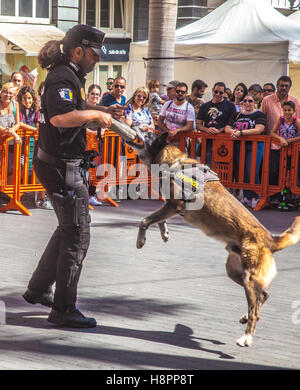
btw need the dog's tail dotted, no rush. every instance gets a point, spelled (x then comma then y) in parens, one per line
(289, 237)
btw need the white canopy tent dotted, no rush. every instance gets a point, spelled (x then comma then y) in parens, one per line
(241, 40)
(294, 68)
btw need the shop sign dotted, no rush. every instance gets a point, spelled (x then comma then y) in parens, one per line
(115, 50)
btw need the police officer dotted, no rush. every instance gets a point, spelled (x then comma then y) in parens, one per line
(60, 165)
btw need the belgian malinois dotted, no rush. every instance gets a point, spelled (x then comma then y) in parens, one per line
(250, 245)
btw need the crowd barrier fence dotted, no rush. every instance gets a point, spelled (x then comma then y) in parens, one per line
(119, 166)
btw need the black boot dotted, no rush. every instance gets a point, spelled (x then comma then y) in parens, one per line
(33, 297)
(71, 318)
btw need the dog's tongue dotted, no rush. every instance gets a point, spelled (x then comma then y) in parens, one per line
(123, 130)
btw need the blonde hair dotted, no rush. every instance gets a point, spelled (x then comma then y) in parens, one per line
(8, 86)
(146, 91)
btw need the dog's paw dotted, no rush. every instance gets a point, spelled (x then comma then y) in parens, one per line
(245, 340)
(140, 242)
(244, 319)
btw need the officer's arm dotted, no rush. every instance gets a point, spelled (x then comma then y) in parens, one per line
(115, 110)
(77, 118)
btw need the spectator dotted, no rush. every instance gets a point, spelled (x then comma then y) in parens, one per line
(239, 93)
(116, 95)
(9, 119)
(109, 85)
(137, 113)
(177, 115)
(248, 122)
(287, 130)
(228, 94)
(213, 116)
(155, 101)
(94, 94)
(256, 91)
(93, 97)
(29, 120)
(17, 79)
(171, 90)
(195, 98)
(268, 89)
(272, 104)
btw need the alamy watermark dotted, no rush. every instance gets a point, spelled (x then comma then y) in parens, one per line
(178, 182)
(2, 313)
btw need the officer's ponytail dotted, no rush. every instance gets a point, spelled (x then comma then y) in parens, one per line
(51, 55)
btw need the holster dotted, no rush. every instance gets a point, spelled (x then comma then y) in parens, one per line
(71, 210)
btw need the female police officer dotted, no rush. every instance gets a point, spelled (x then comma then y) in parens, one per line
(59, 167)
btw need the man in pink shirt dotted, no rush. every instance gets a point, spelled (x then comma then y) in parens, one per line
(272, 104)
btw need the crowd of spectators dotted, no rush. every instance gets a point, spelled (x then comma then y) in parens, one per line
(257, 109)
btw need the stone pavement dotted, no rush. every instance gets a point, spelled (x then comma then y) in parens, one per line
(166, 306)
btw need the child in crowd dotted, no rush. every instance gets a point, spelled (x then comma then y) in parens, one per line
(286, 130)
(155, 101)
(29, 120)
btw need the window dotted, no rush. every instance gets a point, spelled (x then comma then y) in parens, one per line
(91, 12)
(25, 8)
(104, 13)
(8, 7)
(119, 14)
(42, 9)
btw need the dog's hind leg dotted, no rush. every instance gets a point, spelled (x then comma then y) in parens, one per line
(235, 272)
(160, 216)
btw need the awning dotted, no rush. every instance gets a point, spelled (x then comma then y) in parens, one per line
(28, 39)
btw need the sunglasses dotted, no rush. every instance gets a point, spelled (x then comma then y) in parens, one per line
(268, 90)
(119, 86)
(180, 92)
(141, 96)
(219, 92)
(94, 94)
(248, 101)
(109, 83)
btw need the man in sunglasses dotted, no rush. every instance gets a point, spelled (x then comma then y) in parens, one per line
(213, 116)
(268, 89)
(272, 105)
(116, 94)
(109, 86)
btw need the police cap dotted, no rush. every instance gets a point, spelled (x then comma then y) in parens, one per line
(87, 36)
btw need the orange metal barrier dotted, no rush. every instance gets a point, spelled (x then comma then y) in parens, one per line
(119, 166)
(23, 178)
(222, 162)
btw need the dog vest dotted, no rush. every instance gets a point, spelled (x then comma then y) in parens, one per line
(191, 179)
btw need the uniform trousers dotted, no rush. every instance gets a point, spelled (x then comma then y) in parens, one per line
(61, 262)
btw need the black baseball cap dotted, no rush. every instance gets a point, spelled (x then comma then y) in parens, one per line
(87, 36)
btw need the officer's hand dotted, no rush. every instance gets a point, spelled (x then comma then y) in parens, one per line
(116, 111)
(104, 120)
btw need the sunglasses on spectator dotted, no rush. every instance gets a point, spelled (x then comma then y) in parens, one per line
(94, 94)
(119, 86)
(181, 92)
(141, 96)
(219, 92)
(268, 90)
(109, 83)
(248, 101)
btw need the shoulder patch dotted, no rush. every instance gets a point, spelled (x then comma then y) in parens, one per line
(66, 94)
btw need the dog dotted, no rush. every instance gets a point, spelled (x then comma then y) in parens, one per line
(250, 245)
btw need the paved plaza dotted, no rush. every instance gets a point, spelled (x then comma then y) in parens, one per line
(166, 306)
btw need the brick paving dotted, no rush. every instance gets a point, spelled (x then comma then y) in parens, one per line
(166, 306)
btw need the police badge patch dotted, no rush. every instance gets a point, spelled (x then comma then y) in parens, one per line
(66, 94)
